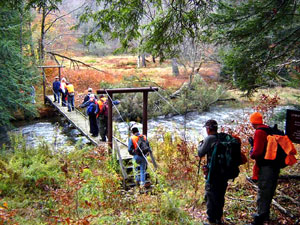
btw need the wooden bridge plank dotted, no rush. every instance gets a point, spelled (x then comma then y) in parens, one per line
(81, 122)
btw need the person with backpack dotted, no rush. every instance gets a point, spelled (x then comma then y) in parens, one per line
(87, 97)
(268, 162)
(139, 147)
(223, 153)
(92, 110)
(102, 116)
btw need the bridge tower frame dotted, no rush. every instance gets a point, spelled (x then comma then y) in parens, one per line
(110, 93)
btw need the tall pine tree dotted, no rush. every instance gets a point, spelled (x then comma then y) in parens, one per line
(262, 39)
(16, 69)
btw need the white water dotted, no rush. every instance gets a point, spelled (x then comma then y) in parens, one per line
(226, 117)
(53, 134)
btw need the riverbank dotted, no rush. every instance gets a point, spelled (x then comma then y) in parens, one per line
(84, 187)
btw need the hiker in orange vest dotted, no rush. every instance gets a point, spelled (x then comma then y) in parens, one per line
(138, 156)
(70, 94)
(102, 115)
(268, 170)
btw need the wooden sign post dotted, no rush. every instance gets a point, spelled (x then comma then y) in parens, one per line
(292, 127)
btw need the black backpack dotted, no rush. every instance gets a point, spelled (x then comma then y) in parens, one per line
(142, 145)
(225, 159)
(281, 155)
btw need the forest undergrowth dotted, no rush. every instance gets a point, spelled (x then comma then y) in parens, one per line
(40, 186)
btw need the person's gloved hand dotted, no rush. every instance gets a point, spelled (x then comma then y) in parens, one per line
(250, 140)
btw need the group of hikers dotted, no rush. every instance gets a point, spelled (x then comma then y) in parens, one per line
(96, 109)
(270, 148)
(64, 89)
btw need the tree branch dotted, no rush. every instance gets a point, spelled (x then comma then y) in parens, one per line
(57, 18)
(75, 61)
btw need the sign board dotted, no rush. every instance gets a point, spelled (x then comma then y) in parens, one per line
(292, 126)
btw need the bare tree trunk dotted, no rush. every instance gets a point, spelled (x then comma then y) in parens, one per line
(234, 78)
(42, 46)
(175, 69)
(143, 60)
(31, 42)
(139, 61)
(153, 59)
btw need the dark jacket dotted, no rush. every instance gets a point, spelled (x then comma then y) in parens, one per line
(206, 147)
(87, 98)
(56, 86)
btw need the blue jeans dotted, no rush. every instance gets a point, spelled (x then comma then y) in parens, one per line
(143, 164)
(56, 96)
(70, 102)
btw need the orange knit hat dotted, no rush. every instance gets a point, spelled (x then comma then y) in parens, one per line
(256, 118)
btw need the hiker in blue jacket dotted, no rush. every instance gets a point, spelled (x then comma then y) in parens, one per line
(92, 111)
(87, 97)
(215, 189)
(56, 89)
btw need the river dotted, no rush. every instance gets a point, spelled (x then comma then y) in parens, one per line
(62, 137)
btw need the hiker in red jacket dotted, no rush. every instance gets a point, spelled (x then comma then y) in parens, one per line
(268, 170)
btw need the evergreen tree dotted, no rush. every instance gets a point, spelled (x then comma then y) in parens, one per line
(262, 39)
(16, 70)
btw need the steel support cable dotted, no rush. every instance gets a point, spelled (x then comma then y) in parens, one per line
(184, 126)
(167, 101)
(128, 127)
(114, 106)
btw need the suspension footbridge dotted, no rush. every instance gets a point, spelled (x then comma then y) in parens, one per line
(114, 145)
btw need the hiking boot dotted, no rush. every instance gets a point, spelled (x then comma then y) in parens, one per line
(214, 222)
(258, 220)
(210, 223)
(147, 185)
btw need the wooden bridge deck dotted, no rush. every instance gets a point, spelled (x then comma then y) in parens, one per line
(81, 122)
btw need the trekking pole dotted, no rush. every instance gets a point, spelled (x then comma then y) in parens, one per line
(199, 165)
(196, 185)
